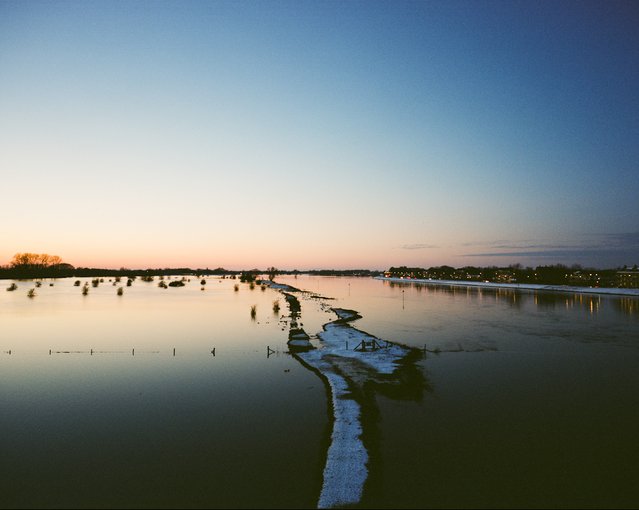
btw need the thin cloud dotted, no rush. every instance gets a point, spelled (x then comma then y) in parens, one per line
(531, 253)
(419, 246)
(624, 240)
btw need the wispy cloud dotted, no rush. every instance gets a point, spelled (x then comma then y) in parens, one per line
(530, 253)
(419, 246)
(624, 240)
(621, 247)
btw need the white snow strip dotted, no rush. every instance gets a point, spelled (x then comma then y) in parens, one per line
(345, 471)
(336, 336)
(520, 286)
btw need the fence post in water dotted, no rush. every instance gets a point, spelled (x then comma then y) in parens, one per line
(173, 351)
(347, 345)
(49, 352)
(133, 352)
(213, 351)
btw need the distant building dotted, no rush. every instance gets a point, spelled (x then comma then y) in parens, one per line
(628, 279)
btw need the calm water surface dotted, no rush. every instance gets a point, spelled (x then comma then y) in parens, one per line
(532, 400)
(153, 430)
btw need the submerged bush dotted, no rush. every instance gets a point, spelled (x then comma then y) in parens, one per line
(31, 293)
(263, 287)
(276, 306)
(11, 287)
(253, 311)
(76, 283)
(252, 285)
(85, 289)
(120, 291)
(236, 287)
(129, 282)
(38, 284)
(203, 282)
(95, 282)
(163, 285)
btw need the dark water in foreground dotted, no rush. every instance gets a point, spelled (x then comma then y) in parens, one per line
(111, 429)
(533, 400)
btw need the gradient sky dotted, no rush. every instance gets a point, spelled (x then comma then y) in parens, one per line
(320, 134)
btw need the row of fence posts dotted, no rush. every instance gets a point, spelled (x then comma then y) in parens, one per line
(91, 352)
(269, 351)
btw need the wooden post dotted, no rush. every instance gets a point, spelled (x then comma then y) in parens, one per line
(133, 352)
(213, 351)
(49, 352)
(174, 351)
(91, 352)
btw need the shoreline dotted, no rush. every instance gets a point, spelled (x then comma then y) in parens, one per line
(608, 291)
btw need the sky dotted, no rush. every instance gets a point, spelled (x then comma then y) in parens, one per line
(322, 134)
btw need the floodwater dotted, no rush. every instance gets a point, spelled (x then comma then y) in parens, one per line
(112, 418)
(525, 399)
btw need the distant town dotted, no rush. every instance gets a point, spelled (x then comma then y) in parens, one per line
(34, 265)
(557, 274)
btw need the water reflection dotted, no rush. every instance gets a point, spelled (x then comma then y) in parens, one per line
(516, 298)
(626, 305)
(93, 398)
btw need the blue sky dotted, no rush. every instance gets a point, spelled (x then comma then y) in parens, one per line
(320, 134)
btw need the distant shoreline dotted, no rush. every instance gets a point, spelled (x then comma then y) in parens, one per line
(520, 286)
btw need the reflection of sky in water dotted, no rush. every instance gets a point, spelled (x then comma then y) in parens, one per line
(545, 415)
(440, 315)
(145, 317)
(153, 429)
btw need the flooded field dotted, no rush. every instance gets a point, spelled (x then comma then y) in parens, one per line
(530, 399)
(117, 428)
(169, 398)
